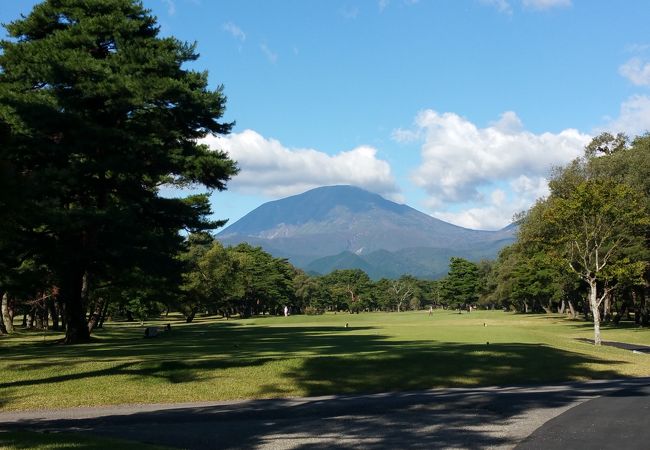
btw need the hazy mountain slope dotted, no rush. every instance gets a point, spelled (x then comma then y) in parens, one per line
(328, 221)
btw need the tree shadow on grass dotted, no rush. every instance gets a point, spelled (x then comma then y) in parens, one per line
(407, 366)
(335, 360)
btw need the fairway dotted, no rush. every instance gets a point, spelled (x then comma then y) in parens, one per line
(264, 357)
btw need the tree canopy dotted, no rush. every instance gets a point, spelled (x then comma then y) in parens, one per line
(97, 113)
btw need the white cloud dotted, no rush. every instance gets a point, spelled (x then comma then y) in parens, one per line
(458, 157)
(270, 55)
(637, 71)
(633, 119)
(403, 135)
(383, 4)
(545, 4)
(235, 31)
(269, 167)
(498, 209)
(467, 165)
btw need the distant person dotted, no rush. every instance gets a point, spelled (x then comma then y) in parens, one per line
(286, 311)
(430, 310)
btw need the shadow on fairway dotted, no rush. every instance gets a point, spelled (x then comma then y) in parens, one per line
(335, 359)
(406, 366)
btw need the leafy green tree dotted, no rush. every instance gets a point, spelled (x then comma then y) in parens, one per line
(351, 289)
(261, 282)
(97, 112)
(460, 286)
(591, 229)
(310, 293)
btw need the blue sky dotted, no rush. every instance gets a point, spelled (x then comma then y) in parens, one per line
(457, 107)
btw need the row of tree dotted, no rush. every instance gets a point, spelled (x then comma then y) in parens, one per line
(585, 247)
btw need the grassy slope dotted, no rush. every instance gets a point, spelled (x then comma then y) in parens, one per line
(307, 355)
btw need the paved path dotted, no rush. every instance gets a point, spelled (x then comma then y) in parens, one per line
(440, 418)
(618, 420)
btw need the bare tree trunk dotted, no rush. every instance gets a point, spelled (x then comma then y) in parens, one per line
(97, 312)
(7, 314)
(71, 293)
(103, 315)
(3, 327)
(607, 308)
(51, 306)
(645, 310)
(595, 310)
(572, 310)
(38, 317)
(561, 308)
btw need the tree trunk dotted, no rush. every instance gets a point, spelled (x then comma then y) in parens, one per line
(75, 315)
(97, 312)
(3, 327)
(7, 316)
(595, 311)
(607, 308)
(637, 308)
(102, 317)
(51, 306)
(190, 317)
(38, 318)
(561, 308)
(572, 310)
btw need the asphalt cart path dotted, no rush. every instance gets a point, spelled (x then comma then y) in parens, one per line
(492, 417)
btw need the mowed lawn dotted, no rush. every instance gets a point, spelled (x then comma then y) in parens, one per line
(215, 359)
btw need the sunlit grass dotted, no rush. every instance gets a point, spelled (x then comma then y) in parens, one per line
(215, 359)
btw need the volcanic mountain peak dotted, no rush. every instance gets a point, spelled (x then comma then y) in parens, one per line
(329, 220)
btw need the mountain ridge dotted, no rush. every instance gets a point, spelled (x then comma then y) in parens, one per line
(327, 221)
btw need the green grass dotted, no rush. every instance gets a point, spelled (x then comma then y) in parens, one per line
(215, 359)
(15, 440)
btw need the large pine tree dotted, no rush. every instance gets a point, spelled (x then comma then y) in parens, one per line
(97, 112)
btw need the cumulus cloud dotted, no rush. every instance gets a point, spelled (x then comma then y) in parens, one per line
(637, 71)
(499, 206)
(495, 171)
(269, 167)
(634, 117)
(458, 157)
(235, 31)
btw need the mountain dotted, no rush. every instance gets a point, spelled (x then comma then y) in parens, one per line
(347, 227)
